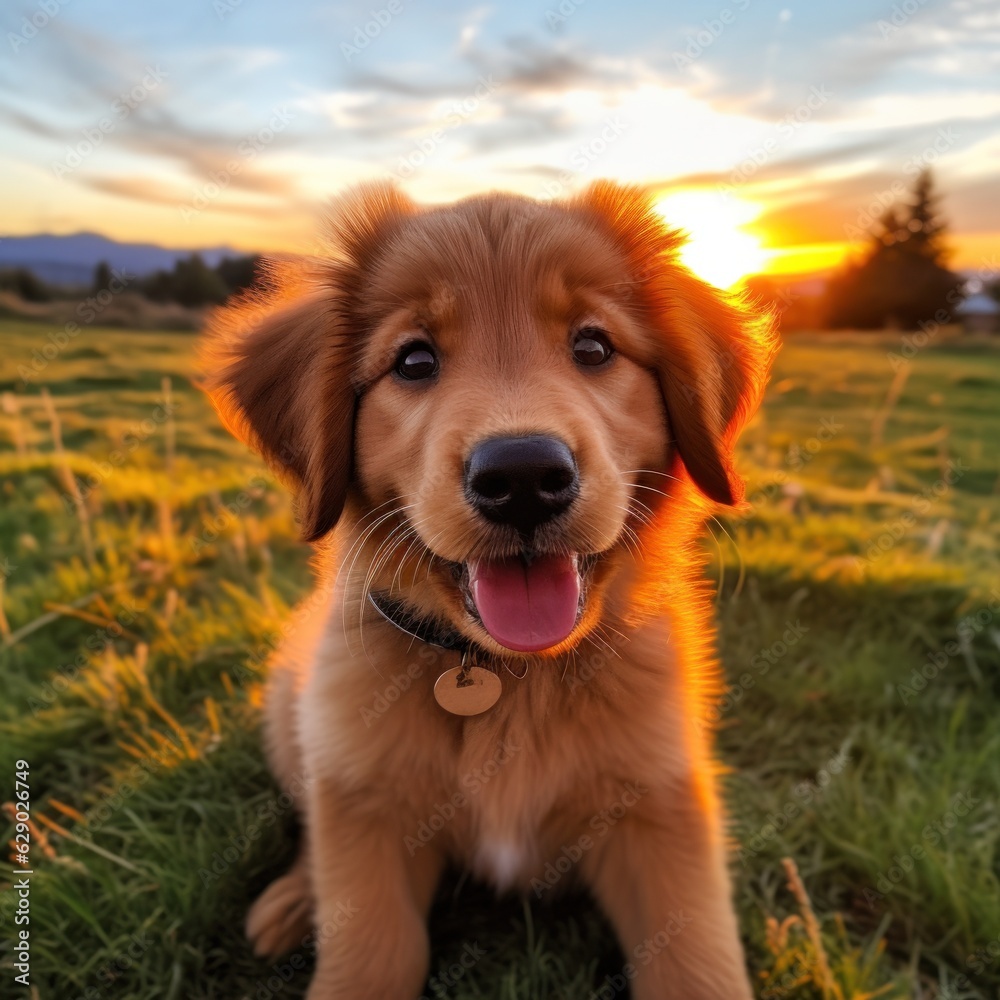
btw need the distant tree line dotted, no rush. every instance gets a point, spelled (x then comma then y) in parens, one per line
(25, 284)
(900, 278)
(191, 282)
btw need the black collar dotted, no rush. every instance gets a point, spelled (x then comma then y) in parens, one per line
(425, 629)
(428, 630)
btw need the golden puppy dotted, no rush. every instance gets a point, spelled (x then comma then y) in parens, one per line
(513, 418)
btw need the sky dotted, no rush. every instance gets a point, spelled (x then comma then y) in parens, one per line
(772, 131)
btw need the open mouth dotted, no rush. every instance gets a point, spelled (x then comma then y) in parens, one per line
(527, 602)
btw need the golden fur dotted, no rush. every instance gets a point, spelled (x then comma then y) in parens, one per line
(612, 717)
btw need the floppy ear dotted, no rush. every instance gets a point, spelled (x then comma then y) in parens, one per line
(711, 352)
(281, 383)
(712, 370)
(280, 360)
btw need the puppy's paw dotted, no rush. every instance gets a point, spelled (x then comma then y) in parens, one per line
(282, 916)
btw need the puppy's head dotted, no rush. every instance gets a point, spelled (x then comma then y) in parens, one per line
(502, 392)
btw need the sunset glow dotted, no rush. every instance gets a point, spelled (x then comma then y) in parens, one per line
(719, 248)
(775, 169)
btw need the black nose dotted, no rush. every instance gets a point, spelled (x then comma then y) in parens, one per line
(521, 481)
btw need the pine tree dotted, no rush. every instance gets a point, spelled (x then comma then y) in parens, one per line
(196, 284)
(102, 277)
(925, 226)
(902, 278)
(239, 272)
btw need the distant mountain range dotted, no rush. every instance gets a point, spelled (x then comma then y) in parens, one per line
(70, 260)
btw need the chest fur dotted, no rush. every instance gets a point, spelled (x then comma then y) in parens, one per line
(540, 778)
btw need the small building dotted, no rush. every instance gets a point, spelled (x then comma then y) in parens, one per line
(979, 313)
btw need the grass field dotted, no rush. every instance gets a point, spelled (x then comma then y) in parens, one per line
(859, 607)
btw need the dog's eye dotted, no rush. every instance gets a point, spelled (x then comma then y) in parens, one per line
(417, 361)
(591, 347)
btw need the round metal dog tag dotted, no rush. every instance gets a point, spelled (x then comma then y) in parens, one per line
(467, 690)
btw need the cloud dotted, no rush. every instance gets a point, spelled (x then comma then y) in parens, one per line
(519, 64)
(157, 133)
(974, 206)
(515, 107)
(28, 122)
(238, 60)
(137, 188)
(883, 54)
(98, 72)
(523, 65)
(520, 80)
(836, 209)
(71, 67)
(792, 173)
(205, 154)
(156, 192)
(519, 126)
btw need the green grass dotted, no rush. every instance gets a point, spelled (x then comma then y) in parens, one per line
(143, 718)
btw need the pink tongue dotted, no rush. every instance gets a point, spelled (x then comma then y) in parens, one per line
(527, 607)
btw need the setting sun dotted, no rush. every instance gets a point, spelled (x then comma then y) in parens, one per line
(718, 248)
